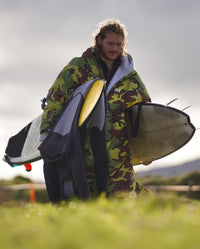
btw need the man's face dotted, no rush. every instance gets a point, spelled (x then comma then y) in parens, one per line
(111, 46)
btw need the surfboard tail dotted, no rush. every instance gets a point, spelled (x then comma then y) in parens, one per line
(6, 159)
(162, 131)
(27, 166)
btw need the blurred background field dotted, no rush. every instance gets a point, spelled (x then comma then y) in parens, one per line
(155, 220)
(148, 221)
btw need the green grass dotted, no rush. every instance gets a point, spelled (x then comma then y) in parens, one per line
(149, 222)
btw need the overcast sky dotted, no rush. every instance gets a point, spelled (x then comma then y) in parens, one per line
(38, 38)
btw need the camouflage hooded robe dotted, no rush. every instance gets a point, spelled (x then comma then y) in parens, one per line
(125, 89)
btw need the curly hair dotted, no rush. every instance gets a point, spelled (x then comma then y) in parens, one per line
(109, 25)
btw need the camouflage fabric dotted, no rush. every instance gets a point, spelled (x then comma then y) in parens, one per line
(126, 92)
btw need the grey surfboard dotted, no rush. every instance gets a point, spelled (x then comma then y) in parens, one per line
(160, 130)
(22, 148)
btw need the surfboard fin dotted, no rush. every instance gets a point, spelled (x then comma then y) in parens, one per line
(28, 167)
(172, 101)
(186, 108)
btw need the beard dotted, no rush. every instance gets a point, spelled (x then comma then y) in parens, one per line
(108, 54)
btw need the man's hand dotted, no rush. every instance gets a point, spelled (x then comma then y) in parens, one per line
(146, 163)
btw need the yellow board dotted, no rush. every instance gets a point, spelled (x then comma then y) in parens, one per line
(91, 100)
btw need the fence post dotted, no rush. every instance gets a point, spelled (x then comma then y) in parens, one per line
(32, 192)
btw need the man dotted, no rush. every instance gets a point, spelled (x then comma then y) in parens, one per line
(105, 60)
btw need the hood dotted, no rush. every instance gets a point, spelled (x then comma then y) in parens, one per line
(125, 68)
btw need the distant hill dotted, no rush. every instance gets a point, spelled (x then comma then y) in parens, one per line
(172, 170)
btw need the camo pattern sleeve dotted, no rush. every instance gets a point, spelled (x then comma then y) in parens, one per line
(58, 95)
(77, 72)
